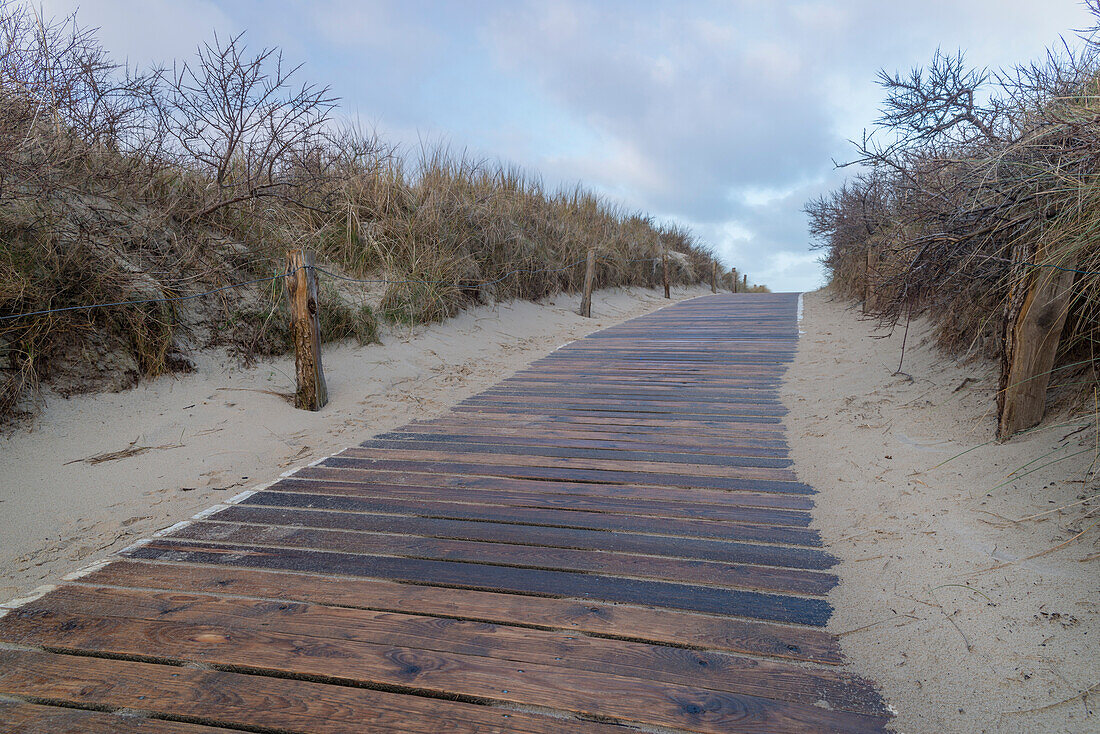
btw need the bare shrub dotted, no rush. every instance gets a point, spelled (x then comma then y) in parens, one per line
(972, 181)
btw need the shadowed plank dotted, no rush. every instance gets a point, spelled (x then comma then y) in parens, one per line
(663, 626)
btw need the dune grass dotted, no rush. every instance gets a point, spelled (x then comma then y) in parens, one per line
(119, 184)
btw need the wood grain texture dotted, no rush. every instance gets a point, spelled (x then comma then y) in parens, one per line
(614, 537)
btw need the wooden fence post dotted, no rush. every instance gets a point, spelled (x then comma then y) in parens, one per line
(714, 277)
(589, 279)
(867, 280)
(664, 264)
(1035, 315)
(745, 285)
(733, 279)
(305, 329)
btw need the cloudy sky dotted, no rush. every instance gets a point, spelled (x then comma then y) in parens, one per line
(724, 116)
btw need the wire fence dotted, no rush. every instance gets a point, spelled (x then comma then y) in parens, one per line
(1026, 264)
(315, 268)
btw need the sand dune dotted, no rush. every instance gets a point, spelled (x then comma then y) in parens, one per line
(940, 600)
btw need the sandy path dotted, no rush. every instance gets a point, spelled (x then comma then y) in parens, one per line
(208, 435)
(956, 646)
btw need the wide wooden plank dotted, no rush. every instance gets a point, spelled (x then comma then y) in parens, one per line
(577, 474)
(465, 448)
(728, 575)
(642, 624)
(529, 432)
(272, 652)
(364, 483)
(19, 717)
(575, 515)
(684, 467)
(469, 575)
(677, 501)
(677, 547)
(256, 702)
(710, 670)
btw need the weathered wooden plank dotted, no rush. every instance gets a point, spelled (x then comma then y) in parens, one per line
(20, 717)
(618, 454)
(533, 515)
(731, 575)
(256, 702)
(747, 494)
(335, 626)
(1035, 316)
(536, 435)
(621, 542)
(597, 412)
(665, 626)
(446, 674)
(685, 468)
(616, 498)
(706, 599)
(579, 474)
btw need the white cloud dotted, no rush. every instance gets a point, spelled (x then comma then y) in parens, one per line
(147, 32)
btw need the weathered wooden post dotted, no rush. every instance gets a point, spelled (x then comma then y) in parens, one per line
(867, 281)
(664, 265)
(745, 284)
(1035, 315)
(589, 278)
(714, 277)
(733, 279)
(305, 329)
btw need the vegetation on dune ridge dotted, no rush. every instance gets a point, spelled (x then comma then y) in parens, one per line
(974, 186)
(124, 185)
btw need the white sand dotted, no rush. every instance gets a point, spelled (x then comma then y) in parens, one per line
(956, 647)
(215, 432)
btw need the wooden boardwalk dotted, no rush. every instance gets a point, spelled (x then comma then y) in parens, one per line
(612, 539)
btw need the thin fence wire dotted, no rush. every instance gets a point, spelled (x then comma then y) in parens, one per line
(373, 281)
(1044, 265)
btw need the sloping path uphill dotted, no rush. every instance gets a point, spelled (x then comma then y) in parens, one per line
(612, 539)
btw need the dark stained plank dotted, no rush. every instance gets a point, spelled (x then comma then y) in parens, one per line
(18, 717)
(446, 674)
(685, 467)
(731, 575)
(612, 454)
(678, 500)
(642, 624)
(535, 436)
(235, 700)
(580, 474)
(575, 515)
(556, 537)
(707, 599)
(332, 625)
